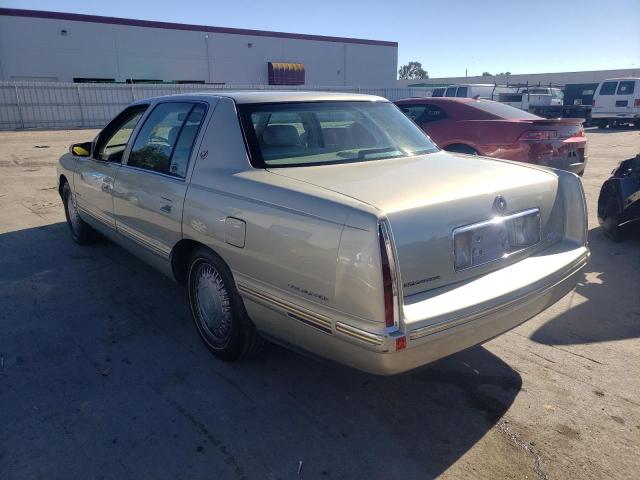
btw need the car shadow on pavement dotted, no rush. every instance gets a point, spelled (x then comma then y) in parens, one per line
(610, 309)
(103, 375)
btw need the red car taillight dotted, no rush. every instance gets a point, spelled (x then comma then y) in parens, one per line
(636, 103)
(387, 277)
(538, 135)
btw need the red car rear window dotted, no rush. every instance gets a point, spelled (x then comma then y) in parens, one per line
(500, 110)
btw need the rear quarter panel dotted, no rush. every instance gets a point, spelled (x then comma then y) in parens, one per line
(293, 229)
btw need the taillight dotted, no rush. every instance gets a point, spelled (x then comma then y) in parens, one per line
(539, 135)
(636, 103)
(593, 103)
(387, 276)
(580, 133)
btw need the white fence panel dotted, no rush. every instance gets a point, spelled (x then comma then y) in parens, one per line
(78, 105)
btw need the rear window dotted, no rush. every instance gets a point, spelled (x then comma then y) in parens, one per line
(320, 133)
(501, 110)
(626, 88)
(608, 88)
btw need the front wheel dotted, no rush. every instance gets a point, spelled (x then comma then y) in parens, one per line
(81, 232)
(217, 309)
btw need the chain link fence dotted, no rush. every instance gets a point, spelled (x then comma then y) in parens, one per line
(85, 105)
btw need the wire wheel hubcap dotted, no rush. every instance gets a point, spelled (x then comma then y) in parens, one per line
(212, 303)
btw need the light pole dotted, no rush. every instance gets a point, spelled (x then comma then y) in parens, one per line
(206, 45)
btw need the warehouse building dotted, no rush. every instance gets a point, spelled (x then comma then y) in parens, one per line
(555, 78)
(64, 47)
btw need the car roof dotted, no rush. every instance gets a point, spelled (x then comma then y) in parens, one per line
(622, 78)
(276, 96)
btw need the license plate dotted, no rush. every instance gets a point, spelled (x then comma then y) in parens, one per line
(494, 239)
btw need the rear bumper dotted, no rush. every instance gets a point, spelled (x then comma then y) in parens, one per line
(569, 155)
(435, 327)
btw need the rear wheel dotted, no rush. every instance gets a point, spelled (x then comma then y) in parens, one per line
(461, 149)
(81, 232)
(217, 309)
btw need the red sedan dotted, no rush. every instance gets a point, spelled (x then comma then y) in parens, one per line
(493, 129)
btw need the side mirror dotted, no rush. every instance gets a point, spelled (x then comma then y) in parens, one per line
(81, 149)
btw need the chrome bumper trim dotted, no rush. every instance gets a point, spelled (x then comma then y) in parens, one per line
(445, 325)
(358, 334)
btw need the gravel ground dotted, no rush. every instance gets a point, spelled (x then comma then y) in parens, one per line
(103, 376)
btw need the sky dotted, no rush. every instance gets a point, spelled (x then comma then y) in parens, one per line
(447, 37)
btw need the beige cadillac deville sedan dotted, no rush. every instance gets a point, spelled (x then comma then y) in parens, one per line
(329, 222)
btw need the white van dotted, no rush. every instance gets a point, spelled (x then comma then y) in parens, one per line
(617, 101)
(481, 90)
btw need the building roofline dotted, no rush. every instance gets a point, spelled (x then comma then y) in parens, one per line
(77, 17)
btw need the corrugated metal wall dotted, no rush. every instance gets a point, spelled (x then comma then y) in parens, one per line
(77, 105)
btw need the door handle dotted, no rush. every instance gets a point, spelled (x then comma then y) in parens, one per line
(166, 204)
(106, 187)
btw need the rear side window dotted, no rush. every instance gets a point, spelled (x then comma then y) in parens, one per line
(165, 140)
(414, 112)
(450, 92)
(626, 88)
(501, 110)
(433, 113)
(608, 88)
(462, 92)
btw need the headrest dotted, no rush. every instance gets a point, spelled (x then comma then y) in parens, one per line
(281, 136)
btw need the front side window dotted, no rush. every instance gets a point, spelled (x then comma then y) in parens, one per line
(608, 88)
(114, 138)
(318, 133)
(626, 88)
(462, 92)
(165, 140)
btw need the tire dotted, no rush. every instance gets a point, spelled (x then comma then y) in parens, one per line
(217, 309)
(81, 232)
(611, 221)
(602, 124)
(458, 148)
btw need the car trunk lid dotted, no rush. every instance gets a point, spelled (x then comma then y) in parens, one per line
(425, 198)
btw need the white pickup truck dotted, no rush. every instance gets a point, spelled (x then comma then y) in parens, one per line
(542, 101)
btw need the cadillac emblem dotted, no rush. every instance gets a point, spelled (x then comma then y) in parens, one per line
(500, 204)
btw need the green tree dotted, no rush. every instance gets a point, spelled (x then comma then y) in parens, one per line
(412, 71)
(486, 74)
